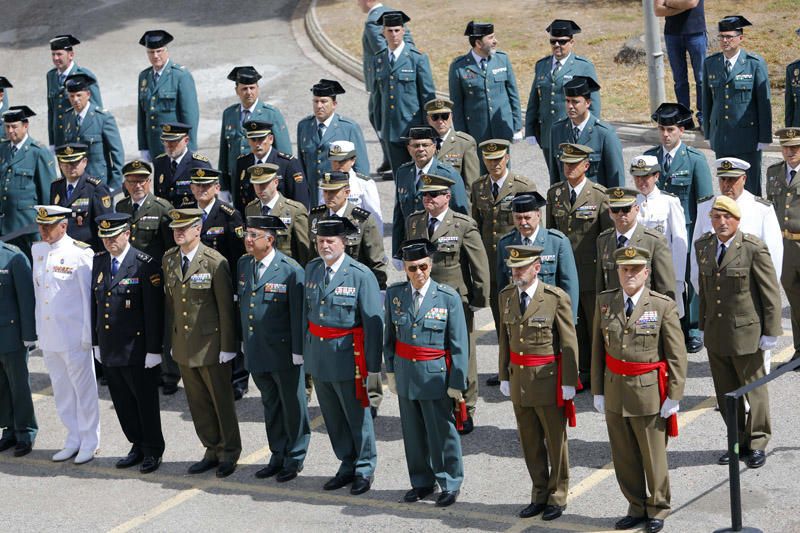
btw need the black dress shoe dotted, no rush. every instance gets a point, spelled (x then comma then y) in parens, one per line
(103, 381)
(338, 481)
(694, 345)
(6, 443)
(360, 485)
(385, 167)
(149, 464)
(551, 512)
(169, 389)
(629, 521)
(237, 394)
(24, 448)
(373, 411)
(446, 498)
(469, 425)
(756, 459)
(724, 459)
(134, 457)
(654, 525)
(417, 494)
(288, 474)
(268, 471)
(532, 510)
(226, 468)
(203, 466)
(493, 381)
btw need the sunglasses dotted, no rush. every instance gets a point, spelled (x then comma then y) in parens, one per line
(439, 116)
(434, 194)
(560, 42)
(413, 268)
(626, 209)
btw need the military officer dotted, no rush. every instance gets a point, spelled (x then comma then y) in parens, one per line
(26, 171)
(343, 344)
(582, 127)
(638, 344)
(4, 85)
(62, 269)
(662, 212)
(792, 95)
(85, 195)
(127, 337)
(202, 337)
(172, 167)
(292, 241)
(491, 205)
(460, 262)
(546, 104)
(684, 173)
(408, 180)
(17, 418)
(293, 183)
(62, 54)
(150, 218)
(579, 208)
(95, 127)
(316, 132)
(232, 140)
(736, 101)
(624, 213)
(740, 315)
(456, 148)
(403, 83)
(484, 90)
(783, 189)
(538, 344)
(270, 291)
(363, 191)
(166, 94)
(426, 348)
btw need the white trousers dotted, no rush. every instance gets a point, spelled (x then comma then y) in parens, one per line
(75, 392)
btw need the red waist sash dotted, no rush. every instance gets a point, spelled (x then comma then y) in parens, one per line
(522, 359)
(326, 332)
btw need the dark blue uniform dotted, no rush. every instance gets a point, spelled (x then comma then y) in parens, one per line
(173, 186)
(293, 184)
(90, 198)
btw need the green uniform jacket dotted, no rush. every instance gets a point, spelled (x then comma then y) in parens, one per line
(25, 178)
(271, 313)
(688, 178)
(460, 260)
(740, 299)
(351, 299)
(17, 306)
(150, 231)
(494, 216)
(58, 103)
(460, 151)
(662, 272)
(373, 41)
(172, 99)
(606, 164)
(546, 328)
(99, 132)
(652, 333)
(785, 198)
(199, 314)
(294, 240)
(792, 97)
(439, 324)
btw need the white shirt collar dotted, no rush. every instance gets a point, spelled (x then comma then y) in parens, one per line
(399, 50)
(340, 212)
(478, 58)
(267, 261)
(335, 266)
(530, 290)
(635, 297)
(426, 168)
(446, 135)
(441, 216)
(180, 157)
(272, 202)
(18, 146)
(160, 72)
(562, 61)
(628, 234)
(68, 70)
(583, 124)
(672, 153)
(327, 122)
(578, 188)
(641, 198)
(209, 206)
(501, 181)
(423, 290)
(121, 257)
(532, 238)
(192, 253)
(734, 59)
(85, 111)
(789, 169)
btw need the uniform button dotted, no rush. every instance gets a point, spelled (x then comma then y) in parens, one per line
(252, 306)
(719, 314)
(718, 301)
(250, 317)
(186, 327)
(252, 294)
(413, 325)
(413, 360)
(107, 305)
(321, 315)
(250, 328)
(413, 336)
(627, 331)
(107, 326)
(106, 315)
(185, 313)
(624, 346)
(183, 299)
(133, 238)
(323, 302)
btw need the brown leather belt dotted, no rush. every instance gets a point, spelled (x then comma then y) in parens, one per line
(791, 236)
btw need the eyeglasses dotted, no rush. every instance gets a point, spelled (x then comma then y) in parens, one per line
(439, 116)
(626, 209)
(559, 42)
(421, 145)
(254, 236)
(727, 37)
(413, 268)
(434, 194)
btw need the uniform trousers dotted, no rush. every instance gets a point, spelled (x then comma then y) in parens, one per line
(170, 371)
(373, 111)
(349, 427)
(75, 392)
(471, 394)
(543, 436)
(790, 279)
(134, 392)
(432, 443)
(285, 416)
(583, 329)
(210, 398)
(639, 452)
(16, 404)
(731, 372)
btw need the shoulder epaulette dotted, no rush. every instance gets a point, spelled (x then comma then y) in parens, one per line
(704, 236)
(420, 212)
(244, 155)
(705, 199)
(597, 186)
(557, 234)
(763, 201)
(661, 296)
(773, 165)
(172, 251)
(291, 261)
(318, 209)
(507, 288)
(667, 193)
(363, 177)
(581, 58)
(80, 244)
(293, 203)
(199, 157)
(510, 234)
(361, 214)
(285, 156)
(552, 289)
(162, 202)
(462, 216)
(609, 291)
(312, 261)
(254, 202)
(100, 254)
(755, 239)
(93, 181)
(396, 284)
(143, 257)
(159, 156)
(227, 209)
(606, 231)
(465, 136)
(447, 288)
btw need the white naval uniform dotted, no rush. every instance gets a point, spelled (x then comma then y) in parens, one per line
(363, 194)
(663, 212)
(62, 283)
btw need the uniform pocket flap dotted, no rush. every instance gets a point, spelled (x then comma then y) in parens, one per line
(745, 320)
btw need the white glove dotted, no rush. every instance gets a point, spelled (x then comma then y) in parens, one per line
(224, 357)
(96, 352)
(567, 392)
(152, 359)
(531, 140)
(145, 154)
(518, 136)
(398, 265)
(391, 382)
(767, 343)
(455, 394)
(761, 146)
(600, 403)
(29, 344)
(297, 359)
(505, 388)
(670, 407)
(225, 196)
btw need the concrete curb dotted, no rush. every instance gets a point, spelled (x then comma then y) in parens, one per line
(639, 133)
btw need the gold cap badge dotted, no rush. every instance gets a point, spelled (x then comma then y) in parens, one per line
(514, 253)
(105, 224)
(630, 252)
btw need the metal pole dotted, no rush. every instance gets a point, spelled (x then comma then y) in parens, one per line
(732, 420)
(655, 57)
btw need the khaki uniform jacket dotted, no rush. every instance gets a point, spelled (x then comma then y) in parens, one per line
(740, 299)
(460, 260)
(460, 150)
(494, 216)
(292, 241)
(785, 198)
(652, 333)
(200, 316)
(546, 328)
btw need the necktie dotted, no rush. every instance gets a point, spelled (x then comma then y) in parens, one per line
(576, 132)
(391, 59)
(114, 267)
(526, 242)
(13, 151)
(205, 216)
(70, 189)
(320, 131)
(417, 301)
(728, 67)
(523, 302)
(419, 178)
(328, 276)
(621, 240)
(431, 226)
(135, 209)
(556, 68)
(439, 142)
(667, 162)
(628, 307)
(78, 121)
(264, 210)
(495, 190)
(721, 254)
(483, 64)
(792, 174)
(173, 166)
(259, 271)
(184, 265)
(61, 78)
(156, 75)
(572, 197)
